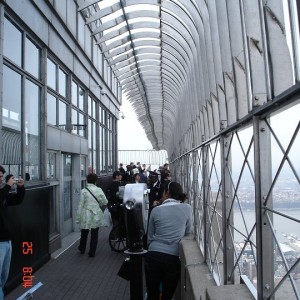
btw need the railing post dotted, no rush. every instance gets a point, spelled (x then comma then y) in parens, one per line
(263, 179)
(205, 183)
(227, 218)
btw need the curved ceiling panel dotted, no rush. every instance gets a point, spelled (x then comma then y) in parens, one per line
(151, 46)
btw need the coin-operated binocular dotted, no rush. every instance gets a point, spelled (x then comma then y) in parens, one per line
(136, 205)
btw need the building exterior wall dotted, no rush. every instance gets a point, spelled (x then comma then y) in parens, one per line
(60, 104)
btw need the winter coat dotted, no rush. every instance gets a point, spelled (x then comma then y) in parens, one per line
(89, 214)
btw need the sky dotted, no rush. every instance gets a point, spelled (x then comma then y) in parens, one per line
(131, 135)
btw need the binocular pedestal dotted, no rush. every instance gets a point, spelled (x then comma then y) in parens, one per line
(136, 206)
(136, 274)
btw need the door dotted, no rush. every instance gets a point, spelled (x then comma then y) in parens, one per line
(66, 208)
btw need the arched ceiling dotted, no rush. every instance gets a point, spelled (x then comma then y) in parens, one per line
(151, 46)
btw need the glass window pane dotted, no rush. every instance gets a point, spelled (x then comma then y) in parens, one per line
(83, 165)
(32, 130)
(90, 106)
(62, 84)
(94, 109)
(90, 133)
(11, 158)
(12, 42)
(100, 113)
(62, 114)
(74, 120)
(81, 129)
(51, 161)
(32, 58)
(100, 148)
(74, 93)
(103, 116)
(81, 99)
(51, 74)
(51, 109)
(94, 135)
(11, 99)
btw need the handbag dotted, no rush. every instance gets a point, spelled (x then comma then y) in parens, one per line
(107, 218)
(126, 269)
(101, 207)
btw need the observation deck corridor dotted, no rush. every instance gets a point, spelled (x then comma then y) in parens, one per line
(76, 276)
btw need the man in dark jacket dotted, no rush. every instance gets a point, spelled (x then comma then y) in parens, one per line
(113, 197)
(7, 199)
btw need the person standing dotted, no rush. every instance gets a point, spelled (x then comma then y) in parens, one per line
(89, 214)
(114, 200)
(122, 170)
(136, 178)
(7, 199)
(168, 224)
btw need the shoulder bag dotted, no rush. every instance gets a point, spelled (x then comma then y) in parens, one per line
(102, 207)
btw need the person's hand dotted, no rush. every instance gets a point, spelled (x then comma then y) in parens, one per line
(20, 181)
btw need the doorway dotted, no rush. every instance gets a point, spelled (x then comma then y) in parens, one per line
(66, 209)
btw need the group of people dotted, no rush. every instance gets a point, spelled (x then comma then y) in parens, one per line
(7, 198)
(170, 219)
(134, 173)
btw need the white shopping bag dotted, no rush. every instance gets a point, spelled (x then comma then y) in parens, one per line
(107, 218)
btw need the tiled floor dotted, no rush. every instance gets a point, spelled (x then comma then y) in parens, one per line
(71, 275)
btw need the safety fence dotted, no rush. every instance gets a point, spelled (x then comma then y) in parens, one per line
(244, 187)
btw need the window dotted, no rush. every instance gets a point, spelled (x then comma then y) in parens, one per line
(103, 153)
(56, 117)
(74, 93)
(32, 130)
(74, 120)
(32, 58)
(51, 74)
(62, 115)
(77, 96)
(51, 110)
(78, 115)
(12, 42)
(83, 163)
(56, 78)
(62, 82)
(11, 130)
(51, 162)
(12, 88)
(92, 145)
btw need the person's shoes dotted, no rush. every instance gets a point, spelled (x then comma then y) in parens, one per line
(81, 251)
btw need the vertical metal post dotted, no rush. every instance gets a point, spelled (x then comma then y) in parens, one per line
(228, 246)
(263, 179)
(136, 281)
(205, 197)
(195, 185)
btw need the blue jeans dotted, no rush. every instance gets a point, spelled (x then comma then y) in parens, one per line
(5, 257)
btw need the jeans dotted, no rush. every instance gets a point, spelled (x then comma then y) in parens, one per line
(5, 257)
(161, 270)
